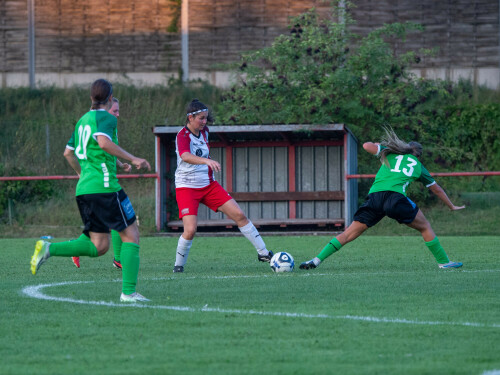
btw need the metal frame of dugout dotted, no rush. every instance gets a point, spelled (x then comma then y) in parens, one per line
(282, 176)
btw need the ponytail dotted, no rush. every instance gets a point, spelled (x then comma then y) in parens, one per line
(100, 91)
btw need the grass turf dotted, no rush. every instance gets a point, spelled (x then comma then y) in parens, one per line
(379, 306)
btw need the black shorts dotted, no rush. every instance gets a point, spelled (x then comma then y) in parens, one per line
(386, 203)
(104, 211)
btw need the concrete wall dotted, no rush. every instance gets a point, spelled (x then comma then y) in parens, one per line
(128, 41)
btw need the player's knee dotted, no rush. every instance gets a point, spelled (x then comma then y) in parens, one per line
(189, 233)
(102, 249)
(240, 217)
(131, 234)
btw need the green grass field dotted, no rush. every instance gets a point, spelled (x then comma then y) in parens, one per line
(379, 306)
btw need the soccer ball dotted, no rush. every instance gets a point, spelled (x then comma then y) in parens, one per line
(282, 262)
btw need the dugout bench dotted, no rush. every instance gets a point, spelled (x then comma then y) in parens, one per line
(284, 177)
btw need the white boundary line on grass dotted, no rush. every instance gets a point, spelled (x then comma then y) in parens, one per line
(35, 291)
(308, 275)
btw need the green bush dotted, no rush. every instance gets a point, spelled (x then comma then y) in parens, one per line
(323, 73)
(22, 191)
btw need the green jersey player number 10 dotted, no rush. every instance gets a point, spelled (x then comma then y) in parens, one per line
(84, 132)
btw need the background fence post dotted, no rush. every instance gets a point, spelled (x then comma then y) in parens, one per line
(10, 211)
(47, 141)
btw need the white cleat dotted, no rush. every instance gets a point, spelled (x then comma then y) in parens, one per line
(134, 297)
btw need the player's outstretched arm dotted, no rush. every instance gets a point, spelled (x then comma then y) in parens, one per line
(72, 160)
(371, 147)
(112, 148)
(438, 190)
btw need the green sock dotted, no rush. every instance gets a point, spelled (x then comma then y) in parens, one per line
(83, 237)
(117, 242)
(130, 264)
(332, 246)
(437, 250)
(77, 248)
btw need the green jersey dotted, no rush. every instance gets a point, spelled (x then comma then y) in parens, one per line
(403, 169)
(98, 173)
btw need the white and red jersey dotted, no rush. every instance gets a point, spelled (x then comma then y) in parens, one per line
(192, 175)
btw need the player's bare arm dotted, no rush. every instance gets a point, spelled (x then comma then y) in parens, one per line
(193, 159)
(112, 148)
(371, 147)
(441, 194)
(72, 160)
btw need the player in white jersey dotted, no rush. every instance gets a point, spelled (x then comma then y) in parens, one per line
(189, 175)
(195, 184)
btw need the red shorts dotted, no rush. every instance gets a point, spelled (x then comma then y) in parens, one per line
(188, 199)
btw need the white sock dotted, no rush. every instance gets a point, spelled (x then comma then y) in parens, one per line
(316, 261)
(182, 252)
(252, 234)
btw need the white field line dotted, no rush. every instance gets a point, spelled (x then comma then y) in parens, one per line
(311, 275)
(35, 291)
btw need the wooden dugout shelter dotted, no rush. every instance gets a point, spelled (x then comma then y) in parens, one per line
(282, 176)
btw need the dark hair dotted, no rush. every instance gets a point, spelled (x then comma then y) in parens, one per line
(100, 91)
(394, 145)
(196, 106)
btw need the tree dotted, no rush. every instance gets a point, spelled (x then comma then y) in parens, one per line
(321, 72)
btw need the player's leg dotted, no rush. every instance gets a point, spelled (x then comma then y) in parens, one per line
(130, 264)
(367, 215)
(120, 216)
(188, 201)
(354, 230)
(190, 224)
(117, 242)
(93, 211)
(421, 224)
(76, 260)
(76, 248)
(235, 213)
(100, 241)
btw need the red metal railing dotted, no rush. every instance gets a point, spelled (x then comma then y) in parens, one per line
(438, 174)
(154, 175)
(38, 178)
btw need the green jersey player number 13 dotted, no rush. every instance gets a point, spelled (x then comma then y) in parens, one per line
(398, 172)
(407, 171)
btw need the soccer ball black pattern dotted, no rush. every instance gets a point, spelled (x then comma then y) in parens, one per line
(282, 262)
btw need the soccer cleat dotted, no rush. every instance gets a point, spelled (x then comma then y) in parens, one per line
(40, 255)
(451, 265)
(309, 265)
(178, 269)
(266, 258)
(134, 297)
(117, 264)
(76, 261)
